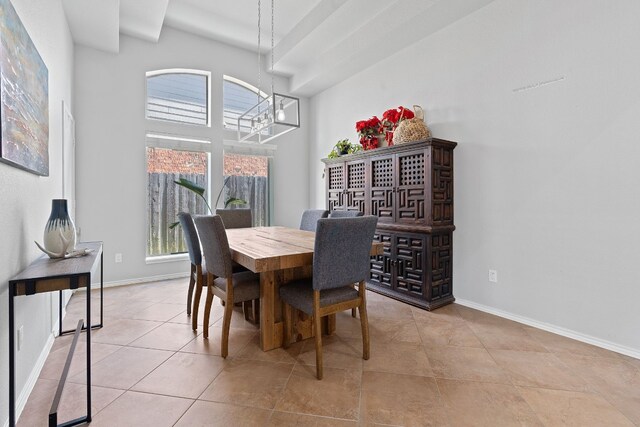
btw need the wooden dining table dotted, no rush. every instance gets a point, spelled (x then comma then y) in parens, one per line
(280, 255)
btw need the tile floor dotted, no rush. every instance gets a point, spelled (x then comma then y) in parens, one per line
(455, 366)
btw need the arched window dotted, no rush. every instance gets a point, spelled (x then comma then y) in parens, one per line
(179, 95)
(237, 97)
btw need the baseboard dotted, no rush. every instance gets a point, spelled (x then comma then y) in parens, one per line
(608, 345)
(115, 283)
(21, 401)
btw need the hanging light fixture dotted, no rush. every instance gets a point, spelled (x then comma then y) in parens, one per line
(273, 115)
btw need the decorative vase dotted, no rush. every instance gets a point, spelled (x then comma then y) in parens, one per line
(382, 141)
(60, 232)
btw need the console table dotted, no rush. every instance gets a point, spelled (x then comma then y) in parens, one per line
(50, 275)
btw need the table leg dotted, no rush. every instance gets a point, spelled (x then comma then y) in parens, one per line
(12, 364)
(88, 322)
(267, 311)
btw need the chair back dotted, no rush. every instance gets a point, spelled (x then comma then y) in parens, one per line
(215, 246)
(190, 237)
(345, 214)
(235, 218)
(310, 219)
(342, 251)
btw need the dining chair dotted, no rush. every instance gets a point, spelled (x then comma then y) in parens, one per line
(235, 218)
(198, 270)
(345, 214)
(240, 218)
(310, 218)
(340, 258)
(221, 281)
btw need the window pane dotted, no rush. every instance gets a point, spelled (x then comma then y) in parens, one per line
(165, 199)
(236, 100)
(249, 181)
(178, 97)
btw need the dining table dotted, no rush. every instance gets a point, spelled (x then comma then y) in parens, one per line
(280, 255)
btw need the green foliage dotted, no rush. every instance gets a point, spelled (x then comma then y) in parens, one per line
(343, 147)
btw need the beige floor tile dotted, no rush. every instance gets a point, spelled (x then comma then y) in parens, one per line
(217, 312)
(477, 317)
(249, 383)
(465, 363)
(631, 360)
(168, 336)
(471, 403)
(72, 404)
(559, 344)
(388, 308)
(141, 409)
(392, 331)
(336, 353)
(123, 331)
(436, 332)
(448, 313)
(203, 413)
(506, 337)
(125, 308)
(278, 355)
(289, 419)
(54, 365)
(614, 379)
(160, 312)
(532, 369)
(124, 368)
(570, 408)
(337, 395)
(182, 375)
(399, 358)
(238, 339)
(406, 400)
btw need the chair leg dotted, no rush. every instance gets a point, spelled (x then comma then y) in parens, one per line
(353, 313)
(317, 323)
(196, 301)
(247, 309)
(226, 323)
(207, 309)
(192, 282)
(256, 311)
(286, 317)
(364, 322)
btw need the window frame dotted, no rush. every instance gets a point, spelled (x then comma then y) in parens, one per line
(261, 95)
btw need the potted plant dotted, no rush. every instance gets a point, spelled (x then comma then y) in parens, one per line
(343, 147)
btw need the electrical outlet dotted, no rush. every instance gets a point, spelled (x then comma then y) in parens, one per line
(118, 258)
(20, 337)
(493, 276)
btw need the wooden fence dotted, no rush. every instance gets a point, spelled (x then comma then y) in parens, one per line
(166, 199)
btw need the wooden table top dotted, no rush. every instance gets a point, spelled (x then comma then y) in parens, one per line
(263, 249)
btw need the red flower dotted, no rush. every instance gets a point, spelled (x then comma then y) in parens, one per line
(369, 127)
(393, 117)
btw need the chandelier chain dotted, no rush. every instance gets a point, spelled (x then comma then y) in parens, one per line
(272, 43)
(259, 54)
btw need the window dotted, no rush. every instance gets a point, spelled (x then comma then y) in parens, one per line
(179, 96)
(248, 180)
(165, 199)
(238, 97)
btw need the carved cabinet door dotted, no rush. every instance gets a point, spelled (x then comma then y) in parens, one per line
(382, 265)
(410, 261)
(381, 192)
(335, 187)
(355, 190)
(410, 203)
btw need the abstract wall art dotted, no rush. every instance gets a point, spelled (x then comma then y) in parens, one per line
(24, 97)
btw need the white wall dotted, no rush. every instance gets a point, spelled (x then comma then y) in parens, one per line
(547, 178)
(26, 198)
(111, 125)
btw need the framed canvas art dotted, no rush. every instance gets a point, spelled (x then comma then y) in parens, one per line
(24, 97)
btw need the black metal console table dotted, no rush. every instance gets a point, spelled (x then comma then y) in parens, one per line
(50, 275)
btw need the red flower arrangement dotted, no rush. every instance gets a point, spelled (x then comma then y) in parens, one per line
(368, 130)
(392, 118)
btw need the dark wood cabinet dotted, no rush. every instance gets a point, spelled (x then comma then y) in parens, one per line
(409, 187)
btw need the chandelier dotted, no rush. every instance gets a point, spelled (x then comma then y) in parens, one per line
(273, 115)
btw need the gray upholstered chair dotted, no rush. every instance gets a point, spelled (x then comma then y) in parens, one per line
(235, 218)
(221, 281)
(198, 271)
(310, 218)
(345, 214)
(340, 259)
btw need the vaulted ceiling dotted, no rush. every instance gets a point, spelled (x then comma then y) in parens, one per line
(317, 42)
